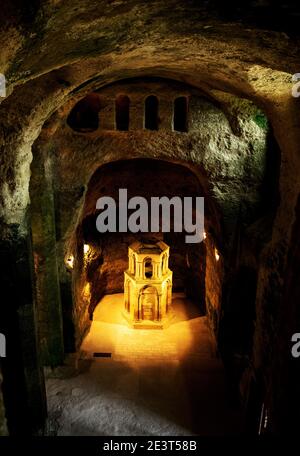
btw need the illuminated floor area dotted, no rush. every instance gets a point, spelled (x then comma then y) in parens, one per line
(157, 382)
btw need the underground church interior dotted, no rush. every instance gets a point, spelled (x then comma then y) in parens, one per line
(141, 332)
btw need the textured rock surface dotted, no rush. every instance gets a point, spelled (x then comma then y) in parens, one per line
(228, 153)
(57, 52)
(153, 45)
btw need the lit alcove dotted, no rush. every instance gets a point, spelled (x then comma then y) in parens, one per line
(144, 302)
(144, 177)
(147, 287)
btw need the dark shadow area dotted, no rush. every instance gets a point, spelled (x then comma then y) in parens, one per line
(122, 112)
(68, 323)
(151, 113)
(84, 116)
(180, 121)
(274, 15)
(235, 338)
(23, 388)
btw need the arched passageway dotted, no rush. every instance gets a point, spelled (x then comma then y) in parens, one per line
(159, 375)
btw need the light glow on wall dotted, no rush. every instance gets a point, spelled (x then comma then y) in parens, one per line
(86, 248)
(217, 256)
(70, 261)
(148, 285)
(86, 292)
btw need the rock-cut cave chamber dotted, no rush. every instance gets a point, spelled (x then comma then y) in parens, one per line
(156, 129)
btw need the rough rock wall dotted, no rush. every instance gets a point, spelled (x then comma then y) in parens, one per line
(98, 43)
(227, 151)
(154, 45)
(214, 275)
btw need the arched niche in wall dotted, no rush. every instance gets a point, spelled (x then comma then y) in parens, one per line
(84, 117)
(151, 113)
(122, 106)
(180, 114)
(148, 268)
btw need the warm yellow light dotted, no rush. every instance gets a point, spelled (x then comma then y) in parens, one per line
(148, 285)
(204, 234)
(70, 261)
(86, 248)
(86, 291)
(217, 256)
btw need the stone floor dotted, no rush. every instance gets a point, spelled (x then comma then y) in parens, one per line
(157, 382)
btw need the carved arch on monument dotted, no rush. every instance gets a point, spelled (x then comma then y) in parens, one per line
(148, 303)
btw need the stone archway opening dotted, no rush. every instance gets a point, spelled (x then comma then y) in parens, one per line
(211, 158)
(102, 258)
(52, 150)
(148, 268)
(138, 360)
(94, 264)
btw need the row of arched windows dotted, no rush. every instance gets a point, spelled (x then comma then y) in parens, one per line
(180, 113)
(84, 117)
(148, 266)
